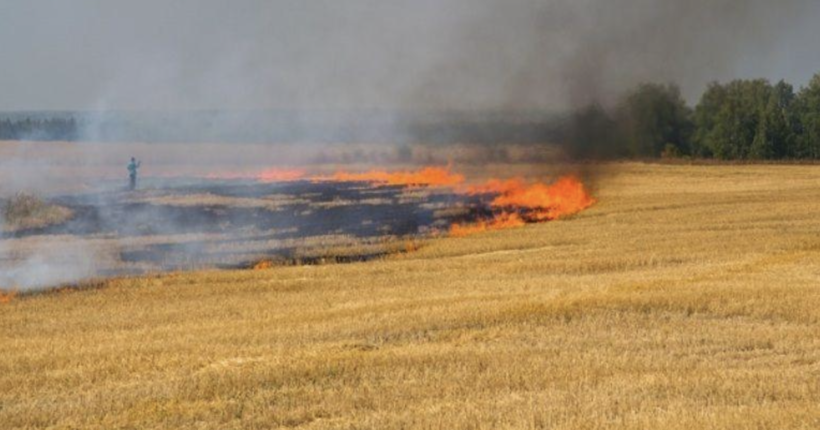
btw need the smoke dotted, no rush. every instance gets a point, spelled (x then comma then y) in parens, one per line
(619, 44)
(329, 71)
(39, 262)
(47, 263)
(403, 55)
(326, 71)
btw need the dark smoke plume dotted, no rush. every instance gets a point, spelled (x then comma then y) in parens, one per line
(429, 55)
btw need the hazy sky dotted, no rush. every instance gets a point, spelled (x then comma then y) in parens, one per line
(406, 54)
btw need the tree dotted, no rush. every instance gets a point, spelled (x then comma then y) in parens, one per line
(808, 143)
(730, 119)
(704, 139)
(778, 127)
(653, 118)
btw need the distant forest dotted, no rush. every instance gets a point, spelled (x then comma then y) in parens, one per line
(38, 129)
(738, 120)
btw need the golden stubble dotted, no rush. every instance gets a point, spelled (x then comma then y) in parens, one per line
(686, 298)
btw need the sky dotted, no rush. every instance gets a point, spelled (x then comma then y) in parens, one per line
(388, 54)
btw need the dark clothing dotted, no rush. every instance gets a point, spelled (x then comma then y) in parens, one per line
(132, 174)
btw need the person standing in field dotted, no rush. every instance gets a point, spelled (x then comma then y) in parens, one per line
(132, 173)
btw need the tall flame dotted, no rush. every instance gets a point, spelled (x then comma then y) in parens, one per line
(566, 196)
(502, 221)
(428, 176)
(520, 203)
(514, 201)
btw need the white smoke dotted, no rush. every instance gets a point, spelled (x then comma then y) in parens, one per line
(46, 262)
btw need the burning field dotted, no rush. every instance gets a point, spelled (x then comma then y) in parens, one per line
(271, 217)
(686, 298)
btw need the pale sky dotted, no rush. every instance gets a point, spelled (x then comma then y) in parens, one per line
(388, 54)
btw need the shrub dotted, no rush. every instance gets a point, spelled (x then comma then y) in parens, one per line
(29, 211)
(671, 151)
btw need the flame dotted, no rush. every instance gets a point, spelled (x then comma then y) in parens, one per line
(411, 246)
(496, 186)
(7, 297)
(281, 175)
(567, 196)
(428, 176)
(529, 203)
(262, 265)
(502, 221)
(514, 201)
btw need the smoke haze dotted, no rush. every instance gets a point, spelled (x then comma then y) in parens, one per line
(311, 63)
(396, 55)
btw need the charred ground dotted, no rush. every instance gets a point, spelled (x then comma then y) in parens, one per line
(228, 224)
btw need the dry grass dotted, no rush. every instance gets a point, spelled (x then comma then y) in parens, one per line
(24, 211)
(272, 203)
(688, 298)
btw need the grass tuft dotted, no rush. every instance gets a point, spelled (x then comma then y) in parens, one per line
(26, 211)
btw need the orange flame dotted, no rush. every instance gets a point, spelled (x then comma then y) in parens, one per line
(262, 265)
(281, 175)
(500, 222)
(429, 176)
(515, 202)
(7, 297)
(567, 196)
(496, 186)
(533, 203)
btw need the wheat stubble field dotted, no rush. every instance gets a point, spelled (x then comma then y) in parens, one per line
(687, 298)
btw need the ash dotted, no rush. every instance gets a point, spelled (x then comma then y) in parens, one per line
(181, 225)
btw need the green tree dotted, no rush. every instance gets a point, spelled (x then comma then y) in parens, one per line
(778, 124)
(730, 118)
(808, 143)
(704, 139)
(654, 118)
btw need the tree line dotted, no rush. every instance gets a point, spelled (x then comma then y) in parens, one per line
(39, 129)
(739, 120)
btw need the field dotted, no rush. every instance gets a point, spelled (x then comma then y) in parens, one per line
(686, 298)
(209, 223)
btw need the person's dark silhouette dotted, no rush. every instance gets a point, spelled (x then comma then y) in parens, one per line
(132, 173)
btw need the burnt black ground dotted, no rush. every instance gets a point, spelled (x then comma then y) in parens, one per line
(239, 236)
(116, 213)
